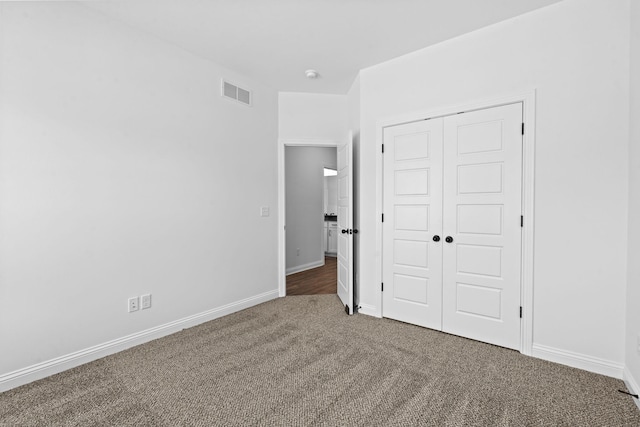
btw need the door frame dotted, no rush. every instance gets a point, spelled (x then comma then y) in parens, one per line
(528, 167)
(282, 143)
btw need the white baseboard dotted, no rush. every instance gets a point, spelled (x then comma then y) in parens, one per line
(563, 357)
(369, 310)
(577, 360)
(62, 363)
(632, 385)
(305, 267)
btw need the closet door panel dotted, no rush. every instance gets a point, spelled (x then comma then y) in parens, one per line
(481, 213)
(412, 260)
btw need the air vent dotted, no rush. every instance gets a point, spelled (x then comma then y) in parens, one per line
(231, 91)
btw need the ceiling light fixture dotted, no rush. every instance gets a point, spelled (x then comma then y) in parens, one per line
(312, 74)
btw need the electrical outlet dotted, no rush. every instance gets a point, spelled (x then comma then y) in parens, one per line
(145, 301)
(298, 252)
(264, 211)
(134, 304)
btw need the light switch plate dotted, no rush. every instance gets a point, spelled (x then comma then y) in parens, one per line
(264, 211)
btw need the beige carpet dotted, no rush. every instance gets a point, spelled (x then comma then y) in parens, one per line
(300, 361)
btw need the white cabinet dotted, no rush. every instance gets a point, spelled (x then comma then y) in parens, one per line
(325, 234)
(332, 237)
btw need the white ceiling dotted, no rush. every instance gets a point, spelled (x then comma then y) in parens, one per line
(275, 41)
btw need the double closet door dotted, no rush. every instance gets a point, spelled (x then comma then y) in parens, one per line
(452, 224)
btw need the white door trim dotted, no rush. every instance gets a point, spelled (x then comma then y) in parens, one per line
(282, 143)
(528, 100)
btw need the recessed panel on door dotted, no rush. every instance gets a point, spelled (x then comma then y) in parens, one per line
(343, 238)
(480, 178)
(413, 182)
(410, 289)
(343, 242)
(411, 217)
(343, 187)
(479, 260)
(478, 301)
(411, 147)
(411, 253)
(478, 137)
(479, 219)
(343, 273)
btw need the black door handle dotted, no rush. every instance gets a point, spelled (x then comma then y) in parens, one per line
(436, 238)
(449, 239)
(344, 231)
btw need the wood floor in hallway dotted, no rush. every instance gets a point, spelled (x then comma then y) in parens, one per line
(321, 280)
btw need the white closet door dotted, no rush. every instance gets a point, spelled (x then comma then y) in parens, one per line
(482, 208)
(412, 260)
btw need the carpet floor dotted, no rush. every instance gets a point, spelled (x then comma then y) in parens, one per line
(300, 361)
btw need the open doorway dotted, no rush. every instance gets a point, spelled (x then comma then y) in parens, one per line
(345, 231)
(311, 206)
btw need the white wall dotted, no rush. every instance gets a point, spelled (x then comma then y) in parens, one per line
(122, 171)
(632, 360)
(312, 116)
(304, 213)
(576, 55)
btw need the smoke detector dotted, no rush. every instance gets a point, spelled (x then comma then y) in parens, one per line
(312, 74)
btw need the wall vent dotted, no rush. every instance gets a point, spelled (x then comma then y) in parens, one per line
(232, 91)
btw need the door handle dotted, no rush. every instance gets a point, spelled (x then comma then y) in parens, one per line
(344, 231)
(449, 239)
(436, 238)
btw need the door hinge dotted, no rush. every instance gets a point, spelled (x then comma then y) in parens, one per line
(383, 148)
(523, 128)
(521, 221)
(521, 312)
(382, 287)
(382, 217)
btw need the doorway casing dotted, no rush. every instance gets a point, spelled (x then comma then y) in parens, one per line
(282, 143)
(527, 259)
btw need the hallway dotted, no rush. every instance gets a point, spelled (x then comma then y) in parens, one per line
(321, 280)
